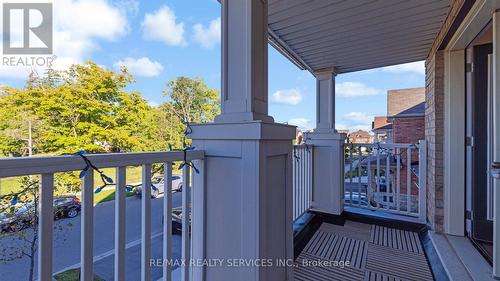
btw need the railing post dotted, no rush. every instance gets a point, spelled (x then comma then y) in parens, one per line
(87, 235)
(45, 227)
(146, 223)
(198, 219)
(167, 220)
(422, 180)
(120, 194)
(186, 241)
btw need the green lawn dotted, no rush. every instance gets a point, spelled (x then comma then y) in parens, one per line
(107, 195)
(10, 185)
(73, 275)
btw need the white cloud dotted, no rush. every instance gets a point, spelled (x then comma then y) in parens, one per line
(413, 67)
(141, 66)
(357, 121)
(302, 123)
(290, 96)
(129, 6)
(78, 26)
(208, 37)
(355, 89)
(161, 26)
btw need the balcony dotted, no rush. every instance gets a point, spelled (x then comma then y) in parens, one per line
(320, 239)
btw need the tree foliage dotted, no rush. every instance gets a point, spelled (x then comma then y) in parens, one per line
(88, 107)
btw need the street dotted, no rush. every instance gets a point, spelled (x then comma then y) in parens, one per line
(67, 242)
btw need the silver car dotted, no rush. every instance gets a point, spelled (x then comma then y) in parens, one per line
(158, 186)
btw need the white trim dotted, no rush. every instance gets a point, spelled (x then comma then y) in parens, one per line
(496, 142)
(454, 142)
(477, 18)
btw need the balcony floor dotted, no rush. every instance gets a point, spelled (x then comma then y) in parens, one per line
(373, 252)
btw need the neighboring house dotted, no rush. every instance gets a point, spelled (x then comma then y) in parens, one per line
(408, 126)
(360, 136)
(382, 129)
(405, 120)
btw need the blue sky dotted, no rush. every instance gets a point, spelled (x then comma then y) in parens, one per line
(161, 40)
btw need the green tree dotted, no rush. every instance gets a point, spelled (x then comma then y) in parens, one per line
(192, 100)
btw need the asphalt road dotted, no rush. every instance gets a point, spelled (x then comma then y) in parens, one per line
(67, 242)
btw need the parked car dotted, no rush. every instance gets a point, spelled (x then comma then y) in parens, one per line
(158, 186)
(67, 207)
(19, 219)
(24, 215)
(177, 220)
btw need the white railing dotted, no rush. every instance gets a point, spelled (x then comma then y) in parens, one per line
(387, 177)
(302, 163)
(47, 166)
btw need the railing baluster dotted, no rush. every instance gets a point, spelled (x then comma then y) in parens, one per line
(350, 174)
(422, 179)
(398, 178)
(369, 185)
(120, 194)
(87, 231)
(359, 175)
(310, 176)
(146, 223)
(378, 179)
(186, 251)
(198, 220)
(167, 221)
(388, 180)
(408, 179)
(45, 227)
(302, 180)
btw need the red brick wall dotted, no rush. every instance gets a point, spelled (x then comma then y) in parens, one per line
(434, 134)
(408, 130)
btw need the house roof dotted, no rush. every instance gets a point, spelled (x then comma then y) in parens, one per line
(354, 35)
(359, 134)
(379, 122)
(400, 100)
(386, 127)
(415, 111)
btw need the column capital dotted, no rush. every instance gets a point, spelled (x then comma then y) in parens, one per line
(330, 71)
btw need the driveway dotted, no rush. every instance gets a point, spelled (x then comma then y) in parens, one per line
(67, 241)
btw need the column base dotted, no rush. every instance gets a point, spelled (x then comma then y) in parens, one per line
(248, 199)
(328, 171)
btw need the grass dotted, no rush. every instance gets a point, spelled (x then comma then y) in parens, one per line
(107, 195)
(134, 174)
(73, 275)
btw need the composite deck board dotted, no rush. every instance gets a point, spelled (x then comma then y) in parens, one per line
(374, 253)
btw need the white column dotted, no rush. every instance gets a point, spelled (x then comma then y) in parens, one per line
(248, 184)
(244, 61)
(328, 149)
(325, 101)
(496, 144)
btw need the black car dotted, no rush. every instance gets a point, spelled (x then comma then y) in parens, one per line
(66, 207)
(24, 215)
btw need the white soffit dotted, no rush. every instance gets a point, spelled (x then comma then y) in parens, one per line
(353, 35)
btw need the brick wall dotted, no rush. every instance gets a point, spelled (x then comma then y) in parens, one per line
(434, 133)
(408, 129)
(400, 100)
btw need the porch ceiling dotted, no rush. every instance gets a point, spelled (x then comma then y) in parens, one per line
(355, 35)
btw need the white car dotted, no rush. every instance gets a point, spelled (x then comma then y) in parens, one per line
(158, 186)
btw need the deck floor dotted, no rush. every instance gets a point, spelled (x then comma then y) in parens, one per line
(358, 251)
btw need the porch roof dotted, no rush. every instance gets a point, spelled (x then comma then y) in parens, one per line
(354, 35)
